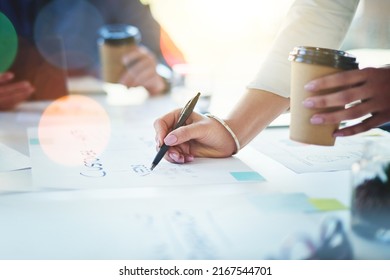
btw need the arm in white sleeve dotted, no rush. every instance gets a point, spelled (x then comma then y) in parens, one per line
(317, 23)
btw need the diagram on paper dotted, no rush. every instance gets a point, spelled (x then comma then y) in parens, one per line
(123, 160)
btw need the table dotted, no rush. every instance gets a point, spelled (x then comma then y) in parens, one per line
(191, 222)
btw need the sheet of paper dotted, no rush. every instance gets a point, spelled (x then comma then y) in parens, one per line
(11, 159)
(55, 225)
(303, 158)
(294, 203)
(78, 157)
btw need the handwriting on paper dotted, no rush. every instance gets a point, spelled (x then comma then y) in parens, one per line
(140, 169)
(92, 164)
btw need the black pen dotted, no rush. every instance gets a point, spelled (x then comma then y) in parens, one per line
(184, 114)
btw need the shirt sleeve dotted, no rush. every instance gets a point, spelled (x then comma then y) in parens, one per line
(317, 23)
(135, 13)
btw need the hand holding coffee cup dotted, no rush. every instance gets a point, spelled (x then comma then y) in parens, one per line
(124, 61)
(307, 64)
(115, 42)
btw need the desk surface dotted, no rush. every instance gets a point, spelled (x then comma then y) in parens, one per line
(191, 222)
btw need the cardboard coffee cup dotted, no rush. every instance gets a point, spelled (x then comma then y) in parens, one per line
(115, 41)
(307, 64)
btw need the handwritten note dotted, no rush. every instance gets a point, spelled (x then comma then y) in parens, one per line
(124, 161)
(303, 158)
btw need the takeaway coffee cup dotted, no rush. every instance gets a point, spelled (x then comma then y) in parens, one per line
(309, 63)
(114, 42)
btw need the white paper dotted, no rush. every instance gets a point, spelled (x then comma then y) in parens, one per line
(303, 158)
(123, 159)
(11, 159)
(54, 226)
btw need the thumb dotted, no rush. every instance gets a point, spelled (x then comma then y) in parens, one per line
(184, 134)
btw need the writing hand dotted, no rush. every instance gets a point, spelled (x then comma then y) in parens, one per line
(201, 137)
(141, 71)
(12, 93)
(369, 87)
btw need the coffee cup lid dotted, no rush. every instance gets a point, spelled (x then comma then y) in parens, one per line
(120, 34)
(322, 56)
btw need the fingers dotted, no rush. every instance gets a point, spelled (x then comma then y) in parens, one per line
(6, 76)
(155, 85)
(347, 87)
(365, 125)
(340, 79)
(361, 92)
(179, 155)
(354, 112)
(337, 99)
(12, 94)
(141, 71)
(181, 141)
(164, 125)
(200, 137)
(184, 134)
(175, 154)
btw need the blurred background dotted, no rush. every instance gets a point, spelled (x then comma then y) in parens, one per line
(230, 38)
(223, 41)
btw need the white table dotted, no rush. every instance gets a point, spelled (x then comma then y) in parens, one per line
(88, 224)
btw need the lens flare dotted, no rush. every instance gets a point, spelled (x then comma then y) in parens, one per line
(73, 129)
(8, 43)
(67, 30)
(170, 51)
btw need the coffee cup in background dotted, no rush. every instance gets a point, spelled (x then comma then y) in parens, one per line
(114, 42)
(307, 64)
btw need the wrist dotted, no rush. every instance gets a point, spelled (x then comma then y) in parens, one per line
(229, 130)
(166, 75)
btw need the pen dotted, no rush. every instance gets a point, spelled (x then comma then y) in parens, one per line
(184, 114)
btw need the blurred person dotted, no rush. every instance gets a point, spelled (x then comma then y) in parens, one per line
(319, 23)
(58, 38)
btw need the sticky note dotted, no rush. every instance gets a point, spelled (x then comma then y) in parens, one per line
(294, 202)
(34, 141)
(247, 176)
(325, 204)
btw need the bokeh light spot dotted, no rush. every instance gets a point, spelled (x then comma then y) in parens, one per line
(73, 130)
(67, 30)
(170, 51)
(8, 43)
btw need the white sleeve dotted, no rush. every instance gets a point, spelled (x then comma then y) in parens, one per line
(317, 23)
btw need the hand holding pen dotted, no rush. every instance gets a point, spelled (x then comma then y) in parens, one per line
(202, 137)
(184, 114)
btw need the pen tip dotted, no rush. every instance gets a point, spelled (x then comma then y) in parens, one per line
(152, 167)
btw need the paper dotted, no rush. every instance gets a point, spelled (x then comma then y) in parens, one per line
(79, 157)
(11, 159)
(294, 202)
(67, 225)
(303, 158)
(327, 204)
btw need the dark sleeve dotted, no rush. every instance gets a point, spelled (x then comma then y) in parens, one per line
(135, 13)
(22, 14)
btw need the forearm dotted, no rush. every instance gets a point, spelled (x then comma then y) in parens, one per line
(255, 111)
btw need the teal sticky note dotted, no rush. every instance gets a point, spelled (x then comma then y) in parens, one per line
(246, 176)
(34, 141)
